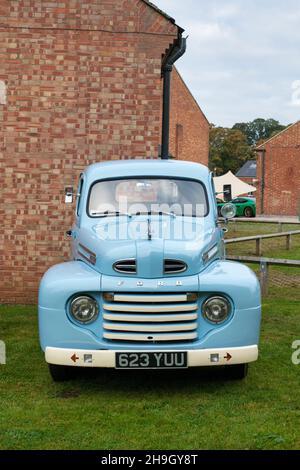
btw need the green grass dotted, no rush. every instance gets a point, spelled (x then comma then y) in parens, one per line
(254, 228)
(110, 410)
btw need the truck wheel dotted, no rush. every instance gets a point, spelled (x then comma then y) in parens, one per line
(61, 373)
(238, 372)
(248, 212)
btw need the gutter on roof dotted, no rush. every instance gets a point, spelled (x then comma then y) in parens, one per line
(161, 12)
(174, 53)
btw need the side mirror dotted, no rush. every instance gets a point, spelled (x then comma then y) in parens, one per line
(69, 195)
(228, 211)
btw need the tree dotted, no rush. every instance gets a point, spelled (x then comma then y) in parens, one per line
(229, 150)
(259, 129)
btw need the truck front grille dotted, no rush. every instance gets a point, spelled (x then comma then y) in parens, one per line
(149, 317)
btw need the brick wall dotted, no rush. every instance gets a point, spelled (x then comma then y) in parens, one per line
(282, 174)
(83, 85)
(189, 136)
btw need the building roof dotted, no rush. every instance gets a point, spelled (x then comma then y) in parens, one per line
(160, 11)
(248, 170)
(277, 135)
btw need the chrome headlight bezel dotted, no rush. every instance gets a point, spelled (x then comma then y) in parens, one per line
(224, 307)
(86, 301)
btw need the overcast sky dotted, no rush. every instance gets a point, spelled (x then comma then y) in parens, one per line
(243, 57)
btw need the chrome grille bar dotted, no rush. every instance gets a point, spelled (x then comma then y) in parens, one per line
(151, 308)
(150, 298)
(170, 327)
(146, 338)
(147, 317)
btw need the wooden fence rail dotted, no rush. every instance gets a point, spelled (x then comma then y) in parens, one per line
(259, 238)
(264, 266)
(279, 223)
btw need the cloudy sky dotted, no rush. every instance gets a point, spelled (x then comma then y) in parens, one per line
(243, 58)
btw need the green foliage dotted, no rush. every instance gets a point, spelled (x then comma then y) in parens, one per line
(229, 150)
(259, 129)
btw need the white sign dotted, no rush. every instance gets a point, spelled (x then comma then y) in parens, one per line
(2, 92)
(296, 355)
(2, 353)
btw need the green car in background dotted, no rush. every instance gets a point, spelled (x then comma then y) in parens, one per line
(245, 206)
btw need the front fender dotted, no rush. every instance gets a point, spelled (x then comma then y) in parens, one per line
(233, 279)
(58, 284)
(63, 280)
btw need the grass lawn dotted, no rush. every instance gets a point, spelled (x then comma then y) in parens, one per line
(185, 410)
(109, 410)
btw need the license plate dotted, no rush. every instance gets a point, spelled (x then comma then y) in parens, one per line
(152, 360)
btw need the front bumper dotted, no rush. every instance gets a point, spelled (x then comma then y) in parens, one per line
(107, 358)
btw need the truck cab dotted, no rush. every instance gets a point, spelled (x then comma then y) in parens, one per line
(148, 285)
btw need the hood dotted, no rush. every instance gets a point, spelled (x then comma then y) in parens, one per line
(147, 246)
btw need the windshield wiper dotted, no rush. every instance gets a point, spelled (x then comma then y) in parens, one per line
(171, 214)
(118, 214)
(110, 214)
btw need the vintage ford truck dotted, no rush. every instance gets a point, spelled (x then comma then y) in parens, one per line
(148, 286)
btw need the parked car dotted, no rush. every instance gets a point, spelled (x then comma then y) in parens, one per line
(148, 287)
(245, 206)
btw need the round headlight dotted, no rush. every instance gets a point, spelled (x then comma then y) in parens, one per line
(216, 309)
(84, 309)
(228, 211)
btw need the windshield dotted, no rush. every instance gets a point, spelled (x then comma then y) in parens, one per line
(138, 196)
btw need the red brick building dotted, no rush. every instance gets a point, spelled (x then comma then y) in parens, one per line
(80, 82)
(189, 128)
(278, 173)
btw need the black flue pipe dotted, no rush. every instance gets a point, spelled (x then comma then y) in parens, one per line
(177, 51)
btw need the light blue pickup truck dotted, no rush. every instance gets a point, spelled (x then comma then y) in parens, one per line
(148, 286)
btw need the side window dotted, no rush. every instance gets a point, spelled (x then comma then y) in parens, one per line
(79, 195)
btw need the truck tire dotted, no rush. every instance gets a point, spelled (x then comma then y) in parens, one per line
(238, 372)
(61, 373)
